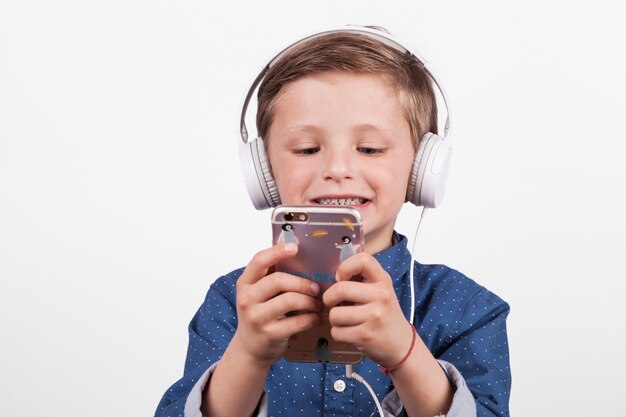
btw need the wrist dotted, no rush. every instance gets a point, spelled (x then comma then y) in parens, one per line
(238, 348)
(395, 366)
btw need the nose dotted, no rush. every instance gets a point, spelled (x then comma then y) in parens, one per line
(339, 165)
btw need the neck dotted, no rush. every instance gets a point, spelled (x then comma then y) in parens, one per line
(376, 244)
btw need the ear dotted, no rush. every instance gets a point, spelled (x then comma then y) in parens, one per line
(257, 174)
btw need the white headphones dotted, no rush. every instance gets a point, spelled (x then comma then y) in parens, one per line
(432, 159)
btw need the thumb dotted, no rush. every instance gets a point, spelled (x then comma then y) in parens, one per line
(360, 267)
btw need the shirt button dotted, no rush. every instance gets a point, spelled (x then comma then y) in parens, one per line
(339, 385)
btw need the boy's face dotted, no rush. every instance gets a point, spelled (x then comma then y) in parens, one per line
(343, 136)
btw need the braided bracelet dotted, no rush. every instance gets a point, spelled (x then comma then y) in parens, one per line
(390, 369)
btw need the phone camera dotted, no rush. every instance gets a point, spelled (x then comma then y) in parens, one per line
(296, 216)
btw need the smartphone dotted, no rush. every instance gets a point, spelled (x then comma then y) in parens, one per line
(326, 236)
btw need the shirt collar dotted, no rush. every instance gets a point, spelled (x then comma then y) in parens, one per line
(396, 258)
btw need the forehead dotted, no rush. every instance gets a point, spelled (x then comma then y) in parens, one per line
(367, 83)
(338, 99)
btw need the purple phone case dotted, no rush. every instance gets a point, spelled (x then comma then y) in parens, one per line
(326, 237)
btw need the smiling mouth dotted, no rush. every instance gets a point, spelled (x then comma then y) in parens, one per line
(340, 201)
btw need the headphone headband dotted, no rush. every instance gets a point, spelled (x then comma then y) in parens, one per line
(378, 34)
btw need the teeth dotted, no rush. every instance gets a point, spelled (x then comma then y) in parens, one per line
(340, 201)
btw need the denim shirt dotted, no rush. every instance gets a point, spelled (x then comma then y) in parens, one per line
(461, 322)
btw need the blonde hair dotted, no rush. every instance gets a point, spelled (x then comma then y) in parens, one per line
(357, 53)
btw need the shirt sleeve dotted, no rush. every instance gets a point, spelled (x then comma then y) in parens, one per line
(210, 332)
(462, 402)
(479, 350)
(194, 399)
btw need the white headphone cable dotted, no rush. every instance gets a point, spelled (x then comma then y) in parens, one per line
(351, 374)
(412, 267)
(349, 367)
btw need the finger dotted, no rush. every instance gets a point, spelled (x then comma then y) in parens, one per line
(262, 261)
(279, 306)
(351, 291)
(288, 326)
(349, 315)
(357, 335)
(262, 315)
(281, 282)
(361, 265)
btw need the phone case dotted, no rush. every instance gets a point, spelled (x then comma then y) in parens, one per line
(325, 236)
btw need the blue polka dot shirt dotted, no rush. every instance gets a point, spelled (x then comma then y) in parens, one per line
(461, 322)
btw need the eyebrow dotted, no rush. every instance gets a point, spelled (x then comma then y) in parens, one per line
(303, 129)
(361, 128)
(368, 127)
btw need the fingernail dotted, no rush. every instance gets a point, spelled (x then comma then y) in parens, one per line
(315, 288)
(291, 247)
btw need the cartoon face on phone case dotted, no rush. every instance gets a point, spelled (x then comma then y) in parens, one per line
(326, 236)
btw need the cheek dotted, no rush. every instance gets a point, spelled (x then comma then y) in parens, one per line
(394, 178)
(291, 182)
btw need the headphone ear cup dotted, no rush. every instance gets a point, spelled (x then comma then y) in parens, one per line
(257, 175)
(427, 182)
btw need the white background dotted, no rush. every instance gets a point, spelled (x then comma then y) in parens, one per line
(121, 198)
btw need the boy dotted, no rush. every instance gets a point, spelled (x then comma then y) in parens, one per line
(341, 116)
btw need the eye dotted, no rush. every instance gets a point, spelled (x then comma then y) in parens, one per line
(369, 151)
(308, 151)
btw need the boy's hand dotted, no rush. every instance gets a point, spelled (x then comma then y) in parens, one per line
(374, 322)
(263, 301)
